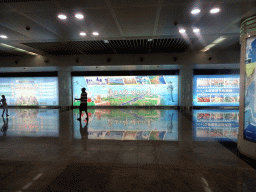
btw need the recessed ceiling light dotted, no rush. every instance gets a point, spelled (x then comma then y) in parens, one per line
(3, 36)
(214, 10)
(82, 33)
(106, 41)
(182, 30)
(196, 30)
(79, 16)
(95, 33)
(62, 17)
(195, 11)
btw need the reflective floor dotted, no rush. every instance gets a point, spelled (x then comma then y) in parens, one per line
(129, 124)
(121, 150)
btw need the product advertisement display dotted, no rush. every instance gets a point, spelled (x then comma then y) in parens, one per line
(30, 91)
(216, 90)
(250, 91)
(128, 90)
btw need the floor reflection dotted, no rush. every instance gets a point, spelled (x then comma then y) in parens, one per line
(129, 124)
(121, 124)
(215, 124)
(30, 123)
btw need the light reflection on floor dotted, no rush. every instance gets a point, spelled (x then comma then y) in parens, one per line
(30, 123)
(128, 124)
(122, 124)
(215, 124)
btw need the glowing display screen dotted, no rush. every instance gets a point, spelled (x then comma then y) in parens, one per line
(30, 91)
(215, 124)
(250, 91)
(128, 90)
(216, 90)
(127, 124)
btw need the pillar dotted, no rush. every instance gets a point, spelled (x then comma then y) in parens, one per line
(65, 88)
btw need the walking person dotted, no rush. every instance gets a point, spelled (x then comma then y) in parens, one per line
(83, 104)
(4, 104)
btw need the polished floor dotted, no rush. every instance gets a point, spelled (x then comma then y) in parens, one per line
(121, 150)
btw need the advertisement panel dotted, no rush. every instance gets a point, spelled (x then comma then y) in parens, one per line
(128, 90)
(30, 91)
(250, 91)
(216, 90)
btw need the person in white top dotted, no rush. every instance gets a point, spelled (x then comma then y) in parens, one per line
(4, 104)
(83, 105)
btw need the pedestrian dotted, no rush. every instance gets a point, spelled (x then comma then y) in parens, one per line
(83, 104)
(4, 104)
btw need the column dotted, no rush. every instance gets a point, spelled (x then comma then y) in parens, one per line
(247, 109)
(65, 88)
(185, 88)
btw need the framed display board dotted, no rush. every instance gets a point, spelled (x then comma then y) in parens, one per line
(140, 90)
(216, 90)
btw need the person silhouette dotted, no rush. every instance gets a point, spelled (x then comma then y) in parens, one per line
(84, 133)
(4, 104)
(83, 104)
(4, 127)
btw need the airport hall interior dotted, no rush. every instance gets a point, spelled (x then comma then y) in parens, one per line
(127, 95)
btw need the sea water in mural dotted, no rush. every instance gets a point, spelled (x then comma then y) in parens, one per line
(128, 90)
(250, 91)
(30, 123)
(216, 90)
(218, 124)
(127, 124)
(30, 91)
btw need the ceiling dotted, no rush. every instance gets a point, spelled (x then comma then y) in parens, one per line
(127, 24)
